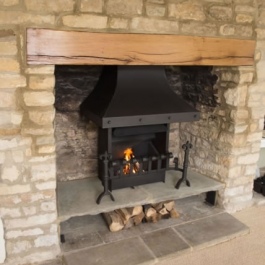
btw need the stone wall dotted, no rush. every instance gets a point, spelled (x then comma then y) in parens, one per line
(27, 143)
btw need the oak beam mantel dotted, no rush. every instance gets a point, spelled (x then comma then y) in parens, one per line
(45, 46)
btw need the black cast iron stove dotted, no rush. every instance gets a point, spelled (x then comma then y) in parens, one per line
(133, 107)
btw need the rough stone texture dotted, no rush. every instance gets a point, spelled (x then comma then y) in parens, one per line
(91, 6)
(207, 29)
(9, 2)
(42, 117)
(244, 18)
(50, 6)
(12, 81)
(221, 13)
(118, 23)
(85, 21)
(119, 7)
(8, 47)
(188, 10)
(42, 82)
(155, 10)
(141, 24)
(18, 18)
(38, 98)
(9, 65)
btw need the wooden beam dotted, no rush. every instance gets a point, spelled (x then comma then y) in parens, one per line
(46, 46)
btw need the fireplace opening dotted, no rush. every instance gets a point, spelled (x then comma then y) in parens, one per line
(81, 142)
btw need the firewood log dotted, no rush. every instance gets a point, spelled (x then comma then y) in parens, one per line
(136, 210)
(174, 213)
(124, 214)
(137, 219)
(151, 215)
(114, 221)
(169, 205)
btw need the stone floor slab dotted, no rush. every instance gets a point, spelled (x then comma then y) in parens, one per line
(130, 252)
(211, 230)
(80, 239)
(165, 243)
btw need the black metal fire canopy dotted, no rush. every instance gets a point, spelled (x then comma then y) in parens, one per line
(135, 95)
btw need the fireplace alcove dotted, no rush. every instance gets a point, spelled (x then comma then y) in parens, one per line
(168, 50)
(78, 186)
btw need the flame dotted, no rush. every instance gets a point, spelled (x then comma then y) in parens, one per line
(128, 155)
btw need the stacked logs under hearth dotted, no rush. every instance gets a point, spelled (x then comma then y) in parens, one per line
(151, 213)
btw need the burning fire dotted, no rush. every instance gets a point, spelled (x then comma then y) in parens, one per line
(128, 156)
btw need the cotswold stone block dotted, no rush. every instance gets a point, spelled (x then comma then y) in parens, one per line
(43, 69)
(45, 140)
(50, 6)
(91, 6)
(260, 34)
(154, 25)
(191, 10)
(34, 221)
(254, 137)
(7, 99)
(241, 114)
(221, 13)
(231, 96)
(10, 212)
(43, 172)
(42, 117)
(86, 21)
(248, 159)
(10, 173)
(40, 99)
(38, 196)
(227, 30)
(46, 149)
(244, 9)
(20, 246)
(234, 191)
(48, 206)
(23, 233)
(9, 65)
(257, 113)
(9, 2)
(48, 185)
(10, 118)
(38, 131)
(128, 8)
(42, 82)
(207, 29)
(8, 47)
(243, 30)
(119, 23)
(155, 10)
(14, 189)
(244, 18)
(29, 210)
(18, 18)
(12, 80)
(46, 241)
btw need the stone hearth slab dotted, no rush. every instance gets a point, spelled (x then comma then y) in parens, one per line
(130, 251)
(212, 230)
(165, 242)
(78, 197)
